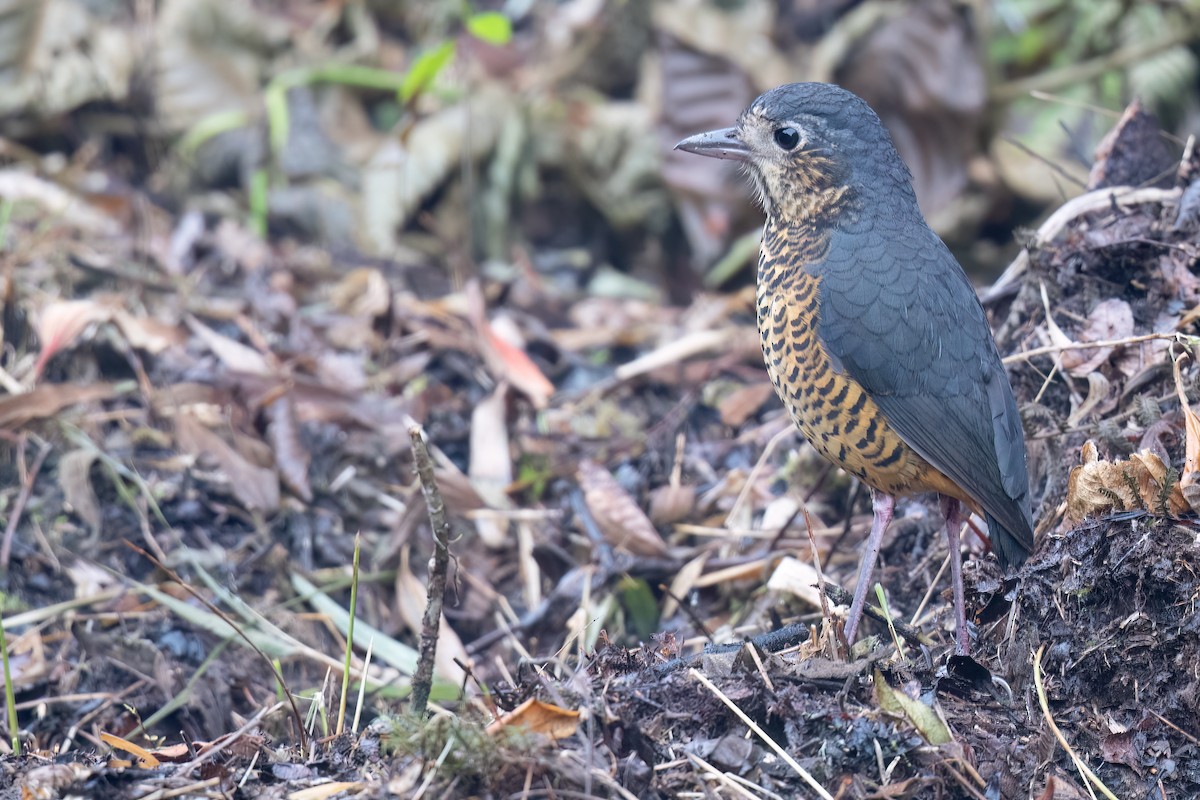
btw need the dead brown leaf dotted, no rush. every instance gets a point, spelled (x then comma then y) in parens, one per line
(234, 355)
(61, 322)
(1151, 474)
(737, 406)
(291, 456)
(505, 359)
(1110, 319)
(1189, 480)
(1060, 788)
(73, 476)
(1191, 459)
(624, 524)
(43, 402)
(146, 759)
(1097, 487)
(147, 334)
(257, 488)
(672, 502)
(534, 716)
(362, 292)
(1141, 482)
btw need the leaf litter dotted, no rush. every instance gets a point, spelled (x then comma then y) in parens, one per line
(630, 505)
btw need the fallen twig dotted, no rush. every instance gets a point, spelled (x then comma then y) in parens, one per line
(422, 681)
(28, 477)
(1052, 349)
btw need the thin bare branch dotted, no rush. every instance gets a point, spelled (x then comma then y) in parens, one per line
(422, 681)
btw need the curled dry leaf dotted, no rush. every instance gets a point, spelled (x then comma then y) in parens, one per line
(291, 456)
(146, 334)
(1161, 492)
(1098, 387)
(234, 355)
(624, 524)
(511, 363)
(534, 716)
(1096, 486)
(145, 759)
(1110, 319)
(61, 322)
(1143, 482)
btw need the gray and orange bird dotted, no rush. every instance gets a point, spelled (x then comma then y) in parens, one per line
(872, 334)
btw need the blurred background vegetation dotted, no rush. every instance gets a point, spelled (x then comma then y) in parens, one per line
(537, 134)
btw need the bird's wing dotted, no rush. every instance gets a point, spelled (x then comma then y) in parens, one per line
(900, 317)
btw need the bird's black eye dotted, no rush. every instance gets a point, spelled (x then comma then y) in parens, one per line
(787, 138)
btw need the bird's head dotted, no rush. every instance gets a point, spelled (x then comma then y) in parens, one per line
(811, 149)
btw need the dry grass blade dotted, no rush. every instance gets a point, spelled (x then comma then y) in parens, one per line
(236, 630)
(389, 650)
(729, 780)
(1062, 740)
(692, 344)
(761, 734)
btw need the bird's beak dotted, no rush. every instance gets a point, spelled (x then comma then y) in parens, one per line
(724, 143)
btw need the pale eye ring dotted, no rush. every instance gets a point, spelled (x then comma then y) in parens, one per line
(787, 138)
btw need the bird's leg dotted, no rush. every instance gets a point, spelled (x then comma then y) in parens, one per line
(883, 506)
(953, 512)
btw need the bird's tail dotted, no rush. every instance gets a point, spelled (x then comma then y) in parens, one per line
(1010, 547)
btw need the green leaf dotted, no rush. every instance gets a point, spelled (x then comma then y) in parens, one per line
(210, 126)
(491, 27)
(260, 186)
(425, 70)
(928, 720)
(641, 608)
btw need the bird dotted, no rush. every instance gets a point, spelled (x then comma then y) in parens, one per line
(872, 334)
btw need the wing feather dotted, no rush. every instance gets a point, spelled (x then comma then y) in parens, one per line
(900, 317)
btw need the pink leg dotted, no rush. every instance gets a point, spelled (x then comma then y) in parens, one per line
(953, 511)
(884, 506)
